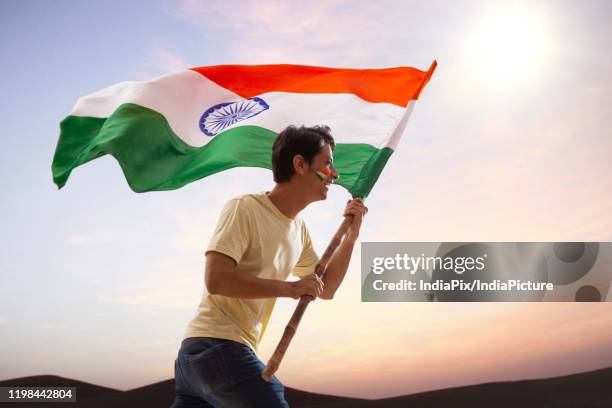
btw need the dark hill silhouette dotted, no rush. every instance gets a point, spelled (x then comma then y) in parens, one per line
(592, 389)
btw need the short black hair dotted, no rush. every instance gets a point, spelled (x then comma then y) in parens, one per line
(305, 141)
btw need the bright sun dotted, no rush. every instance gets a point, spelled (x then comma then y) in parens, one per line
(508, 45)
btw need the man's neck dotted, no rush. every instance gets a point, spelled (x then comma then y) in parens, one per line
(287, 199)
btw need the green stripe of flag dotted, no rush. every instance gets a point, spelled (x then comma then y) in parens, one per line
(154, 158)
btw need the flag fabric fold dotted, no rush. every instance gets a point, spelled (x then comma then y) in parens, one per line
(183, 126)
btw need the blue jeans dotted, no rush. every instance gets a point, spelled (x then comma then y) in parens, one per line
(211, 372)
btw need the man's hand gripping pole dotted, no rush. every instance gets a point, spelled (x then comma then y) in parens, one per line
(291, 328)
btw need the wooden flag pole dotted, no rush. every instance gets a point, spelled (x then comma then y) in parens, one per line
(291, 328)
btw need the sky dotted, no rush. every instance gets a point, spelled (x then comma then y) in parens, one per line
(510, 141)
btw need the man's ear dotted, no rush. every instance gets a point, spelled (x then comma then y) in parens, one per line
(299, 164)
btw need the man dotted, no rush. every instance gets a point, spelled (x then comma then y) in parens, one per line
(258, 241)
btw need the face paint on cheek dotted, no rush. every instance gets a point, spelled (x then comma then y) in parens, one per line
(323, 173)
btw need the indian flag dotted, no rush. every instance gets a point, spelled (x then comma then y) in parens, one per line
(183, 126)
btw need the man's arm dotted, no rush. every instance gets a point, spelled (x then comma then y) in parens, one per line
(338, 264)
(222, 278)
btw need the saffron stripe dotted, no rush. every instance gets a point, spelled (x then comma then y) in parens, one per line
(392, 85)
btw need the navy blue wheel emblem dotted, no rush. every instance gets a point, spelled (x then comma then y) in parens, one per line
(224, 115)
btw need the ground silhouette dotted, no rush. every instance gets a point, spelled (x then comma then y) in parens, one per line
(591, 389)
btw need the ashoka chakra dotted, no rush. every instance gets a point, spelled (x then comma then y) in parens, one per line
(224, 115)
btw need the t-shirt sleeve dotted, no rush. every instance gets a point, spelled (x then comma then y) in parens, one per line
(308, 258)
(231, 236)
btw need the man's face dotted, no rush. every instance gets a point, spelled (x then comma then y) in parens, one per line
(321, 167)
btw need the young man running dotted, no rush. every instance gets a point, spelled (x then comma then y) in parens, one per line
(259, 240)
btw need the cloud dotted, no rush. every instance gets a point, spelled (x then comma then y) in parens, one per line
(337, 32)
(88, 239)
(157, 61)
(166, 60)
(173, 283)
(50, 325)
(442, 346)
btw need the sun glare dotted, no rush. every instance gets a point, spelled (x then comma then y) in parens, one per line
(509, 44)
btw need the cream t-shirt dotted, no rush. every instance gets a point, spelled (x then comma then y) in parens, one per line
(265, 243)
